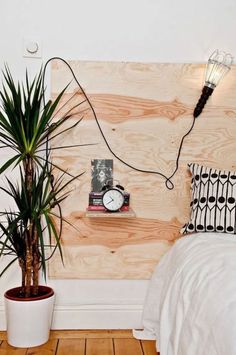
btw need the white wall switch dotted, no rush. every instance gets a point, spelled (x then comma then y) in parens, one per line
(32, 48)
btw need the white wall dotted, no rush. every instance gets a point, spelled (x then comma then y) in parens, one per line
(124, 30)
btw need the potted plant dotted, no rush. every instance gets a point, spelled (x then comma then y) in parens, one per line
(27, 126)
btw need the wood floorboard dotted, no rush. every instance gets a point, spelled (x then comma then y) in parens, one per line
(6, 349)
(99, 347)
(127, 347)
(66, 334)
(74, 334)
(85, 342)
(71, 347)
(46, 349)
(149, 347)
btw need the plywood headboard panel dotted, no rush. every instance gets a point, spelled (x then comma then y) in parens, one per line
(144, 110)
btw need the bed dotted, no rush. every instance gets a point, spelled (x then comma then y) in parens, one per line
(190, 308)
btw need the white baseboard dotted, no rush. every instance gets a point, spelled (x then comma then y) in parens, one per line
(92, 317)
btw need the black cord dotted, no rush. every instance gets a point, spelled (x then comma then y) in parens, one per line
(169, 184)
(179, 151)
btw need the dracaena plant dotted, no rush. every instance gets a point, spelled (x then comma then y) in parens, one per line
(27, 126)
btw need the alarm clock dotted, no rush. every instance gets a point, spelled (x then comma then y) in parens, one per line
(113, 198)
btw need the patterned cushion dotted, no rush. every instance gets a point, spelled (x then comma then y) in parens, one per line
(213, 202)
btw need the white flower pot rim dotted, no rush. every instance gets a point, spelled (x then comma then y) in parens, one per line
(44, 292)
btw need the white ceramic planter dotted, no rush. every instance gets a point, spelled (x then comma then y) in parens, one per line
(29, 321)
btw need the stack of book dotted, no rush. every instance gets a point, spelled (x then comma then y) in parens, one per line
(102, 175)
(95, 202)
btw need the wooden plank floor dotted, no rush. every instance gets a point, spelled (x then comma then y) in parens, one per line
(85, 342)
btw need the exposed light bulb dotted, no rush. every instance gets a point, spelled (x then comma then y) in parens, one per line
(218, 65)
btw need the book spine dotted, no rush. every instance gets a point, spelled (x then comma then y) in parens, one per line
(96, 199)
(102, 208)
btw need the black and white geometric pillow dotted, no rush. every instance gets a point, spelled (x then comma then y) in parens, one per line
(213, 202)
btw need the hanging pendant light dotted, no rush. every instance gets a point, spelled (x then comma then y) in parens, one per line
(218, 65)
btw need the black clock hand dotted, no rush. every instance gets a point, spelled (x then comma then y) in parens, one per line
(110, 201)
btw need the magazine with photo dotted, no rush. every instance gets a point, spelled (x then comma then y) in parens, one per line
(101, 174)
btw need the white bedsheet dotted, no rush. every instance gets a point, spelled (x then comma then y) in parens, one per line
(190, 307)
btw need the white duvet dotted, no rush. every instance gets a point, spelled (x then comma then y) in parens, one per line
(190, 307)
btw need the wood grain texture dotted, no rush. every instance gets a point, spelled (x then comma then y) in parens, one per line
(71, 347)
(86, 342)
(6, 349)
(149, 347)
(144, 110)
(127, 347)
(48, 348)
(105, 214)
(83, 334)
(99, 347)
(91, 334)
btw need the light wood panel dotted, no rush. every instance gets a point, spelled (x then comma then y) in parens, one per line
(105, 214)
(144, 110)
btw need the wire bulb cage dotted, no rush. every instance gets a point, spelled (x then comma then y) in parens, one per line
(218, 65)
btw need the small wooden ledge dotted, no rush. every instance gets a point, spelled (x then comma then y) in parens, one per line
(105, 214)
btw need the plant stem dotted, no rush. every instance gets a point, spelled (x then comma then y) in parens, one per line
(28, 264)
(35, 289)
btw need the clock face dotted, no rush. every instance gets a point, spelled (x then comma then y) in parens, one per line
(113, 199)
